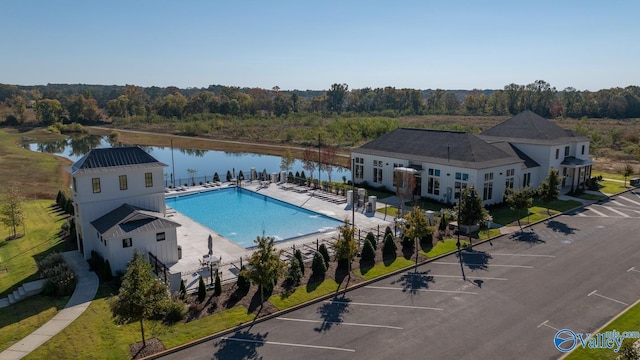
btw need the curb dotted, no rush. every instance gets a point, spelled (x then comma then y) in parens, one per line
(345, 290)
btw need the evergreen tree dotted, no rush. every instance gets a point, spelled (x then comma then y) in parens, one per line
(298, 255)
(318, 265)
(372, 240)
(368, 252)
(294, 275)
(216, 177)
(325, 254)
(387, 231)
(202, 290)
(243, 282)
(229, 177)
(442, 226)
(389, 247)
(141, 295)
(471, 210)
(183, 290)
(217, 288)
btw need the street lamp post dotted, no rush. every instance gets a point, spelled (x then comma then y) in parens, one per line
(458, 224)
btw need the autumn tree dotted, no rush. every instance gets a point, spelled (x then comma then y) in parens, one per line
(11, 211)
(265, 265)
(141, 296)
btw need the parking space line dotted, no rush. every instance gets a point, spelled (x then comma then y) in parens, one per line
(545, 323)
(383, 305)
(424, 290)
(287, 344)
(618, 212)
(608, 298)
(341, 323)
(474, 277)
(615, 202)
(633, 268)
(597, 212)
(629, 200)
(532, 255)
(488, 265)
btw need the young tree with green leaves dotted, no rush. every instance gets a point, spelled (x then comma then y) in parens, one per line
(141, 295)
(417, 227)
(11, 212)
(549, 188)
(626, 172)
(471, 210)
(346, 246)
(287, 160)
(265, 265)
(519, 200)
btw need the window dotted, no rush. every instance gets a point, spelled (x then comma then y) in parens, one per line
(160, 236)
(459, 186)
(465, 177)
(127, 242)
(458, 176)
(488, 186)
(123, 182)
(582, 150)
(526, 179)
(75, 184)
(148, 179)
(566, 150)
(557, 153)
(433, 182)
(509, 179)
(377, 175)
(359, 170)
(95, 182)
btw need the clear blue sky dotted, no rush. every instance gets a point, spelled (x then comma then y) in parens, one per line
(298, 44)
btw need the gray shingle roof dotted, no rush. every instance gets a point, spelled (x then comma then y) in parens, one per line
(438, 147)
(117, 156)
(514, 151)
(532, 128)
(128, 219)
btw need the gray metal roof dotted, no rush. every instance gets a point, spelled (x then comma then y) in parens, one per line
(530, 127)
(116, 156)
(514, 151)
(455, 148)
(127, 219)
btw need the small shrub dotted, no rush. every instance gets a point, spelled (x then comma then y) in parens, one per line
(96, 263)
(325, 254)
(176, 310)
(229, 177)
(202, 290)
(216, 177)
(372, 240)
(318, 265)
(217, 288)
(389, 248)
(61, 280)
(387, 231)
(368, 251)
(298, 255)
(294, 274)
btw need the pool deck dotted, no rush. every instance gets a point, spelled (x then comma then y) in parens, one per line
(193, 237)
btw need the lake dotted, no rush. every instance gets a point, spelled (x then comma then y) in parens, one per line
(204, 162)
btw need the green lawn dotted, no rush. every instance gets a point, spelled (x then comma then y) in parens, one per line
(19, 256)
(593, 197)
(94, 335)
(629, 321)
(611, 187)
(615, 176)
(505, 216)
(383, 268)
(303, 294)
(24, 317)
(483, 234)
(444, 246)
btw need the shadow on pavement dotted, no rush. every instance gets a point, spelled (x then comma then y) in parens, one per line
(474, 260)
(242, 345)
(558, 226)
(332, 313)
(412, 282)
(526, 236)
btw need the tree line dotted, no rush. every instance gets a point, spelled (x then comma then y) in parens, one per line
(92, 103)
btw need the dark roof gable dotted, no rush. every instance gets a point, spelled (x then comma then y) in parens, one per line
(528, 125)
(464, 148)
(127, 218)
(117, 156)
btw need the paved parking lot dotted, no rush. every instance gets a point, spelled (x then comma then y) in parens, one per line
(505, 299)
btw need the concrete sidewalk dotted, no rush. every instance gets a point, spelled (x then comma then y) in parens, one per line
(83, 294)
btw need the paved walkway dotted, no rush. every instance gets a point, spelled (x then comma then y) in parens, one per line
(85, 291)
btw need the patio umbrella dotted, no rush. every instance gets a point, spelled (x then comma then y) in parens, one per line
(210, 243)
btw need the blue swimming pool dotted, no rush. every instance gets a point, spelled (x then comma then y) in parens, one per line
(241, 215)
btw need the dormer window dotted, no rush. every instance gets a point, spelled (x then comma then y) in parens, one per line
(123, 182)
(148, 179)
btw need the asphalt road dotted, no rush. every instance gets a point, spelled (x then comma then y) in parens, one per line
(575, 271)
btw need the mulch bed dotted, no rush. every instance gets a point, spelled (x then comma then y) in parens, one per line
(153, 346)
